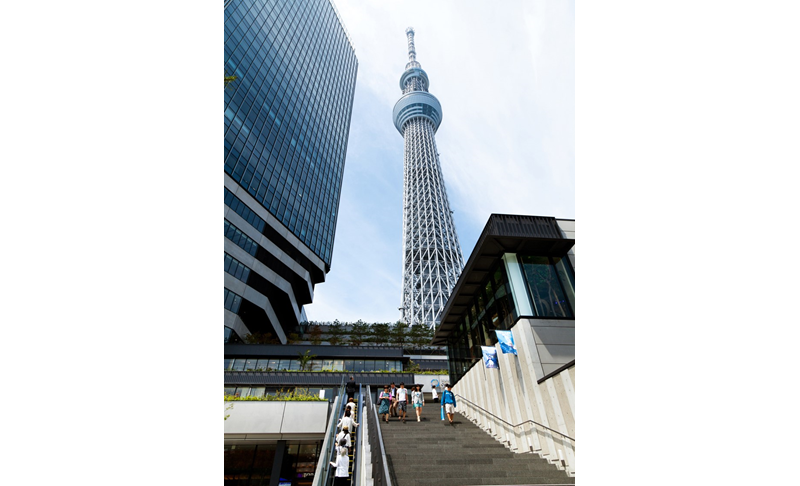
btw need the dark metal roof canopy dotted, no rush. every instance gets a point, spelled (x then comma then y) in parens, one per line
(503, 233)
(291, 351)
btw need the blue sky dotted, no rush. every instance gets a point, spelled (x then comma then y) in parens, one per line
(504, 73)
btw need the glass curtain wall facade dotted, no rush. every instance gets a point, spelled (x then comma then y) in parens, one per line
(287, 115)
(288, 364)
(549, 285)
(249, 465)
(287, 120)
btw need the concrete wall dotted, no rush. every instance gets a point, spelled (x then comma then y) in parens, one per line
(513, 394)
(551, 343)
(276, 420)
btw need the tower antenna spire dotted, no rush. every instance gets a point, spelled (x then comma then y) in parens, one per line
(412, 51)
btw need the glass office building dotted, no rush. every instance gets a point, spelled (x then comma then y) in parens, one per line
(287, 120)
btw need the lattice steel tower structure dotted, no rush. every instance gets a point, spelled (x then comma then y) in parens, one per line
(432, 258)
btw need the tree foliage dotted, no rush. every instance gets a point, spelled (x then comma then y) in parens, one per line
(315, 334)
(398, 333)
(335, 333)
(229, 79)
(358, 332)
(305, 359)
(260, 338)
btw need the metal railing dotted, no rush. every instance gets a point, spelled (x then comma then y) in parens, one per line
(322, 475)
(380, 467)
(508, 423)
(357, 442)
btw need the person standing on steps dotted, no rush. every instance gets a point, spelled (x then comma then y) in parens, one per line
(402, 399)
(350, 388)
(342, 465)
(393, 406)
(344, 434)
(435, 394)
(449, 403)
(351, 405)
(384, 402)
(418, 401)
(348, 422)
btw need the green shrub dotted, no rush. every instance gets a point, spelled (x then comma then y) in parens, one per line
(280, 396)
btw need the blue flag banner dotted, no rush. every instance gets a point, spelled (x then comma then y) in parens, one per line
(489, 356)
(506, 341)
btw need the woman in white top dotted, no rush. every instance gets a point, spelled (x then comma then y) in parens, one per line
(418, 401)
(344, 434)
(346, 421)
(342, 465)
(435, 394)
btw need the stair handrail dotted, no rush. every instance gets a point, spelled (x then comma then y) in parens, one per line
(329, 445)
(357, 440)
(509, 423)
(384, 478)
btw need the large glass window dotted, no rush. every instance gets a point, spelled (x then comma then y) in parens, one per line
(238, 461)
(567, 276)
(232, 301)
(545, 288)
(238, 365)
(262, 464)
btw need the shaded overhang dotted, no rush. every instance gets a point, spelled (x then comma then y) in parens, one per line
(320, 351)
(503, 233)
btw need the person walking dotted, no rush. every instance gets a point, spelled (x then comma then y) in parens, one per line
(350, 388)
(342, 465)
(418, 401)
(435, 394)
(402, 399)
(344, 434)
(351, 405)
(384, 402)
(393, 406)
(449, 403)
(346, 421)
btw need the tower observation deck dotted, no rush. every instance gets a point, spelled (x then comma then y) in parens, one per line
(432, 258)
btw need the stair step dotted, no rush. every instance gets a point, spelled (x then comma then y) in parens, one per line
(431, 452)
(527, 480)
(470, 473)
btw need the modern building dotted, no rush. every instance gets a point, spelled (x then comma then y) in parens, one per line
(281, 442)
(521, 273)
(287, 120)
(520, 277)
(432, 258)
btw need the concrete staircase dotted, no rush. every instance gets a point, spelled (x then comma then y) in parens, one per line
(432, 452)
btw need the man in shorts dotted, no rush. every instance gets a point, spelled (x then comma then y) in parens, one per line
(402, 399)
(449, 403)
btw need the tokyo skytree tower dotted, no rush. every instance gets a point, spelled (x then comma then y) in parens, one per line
(432, 258)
